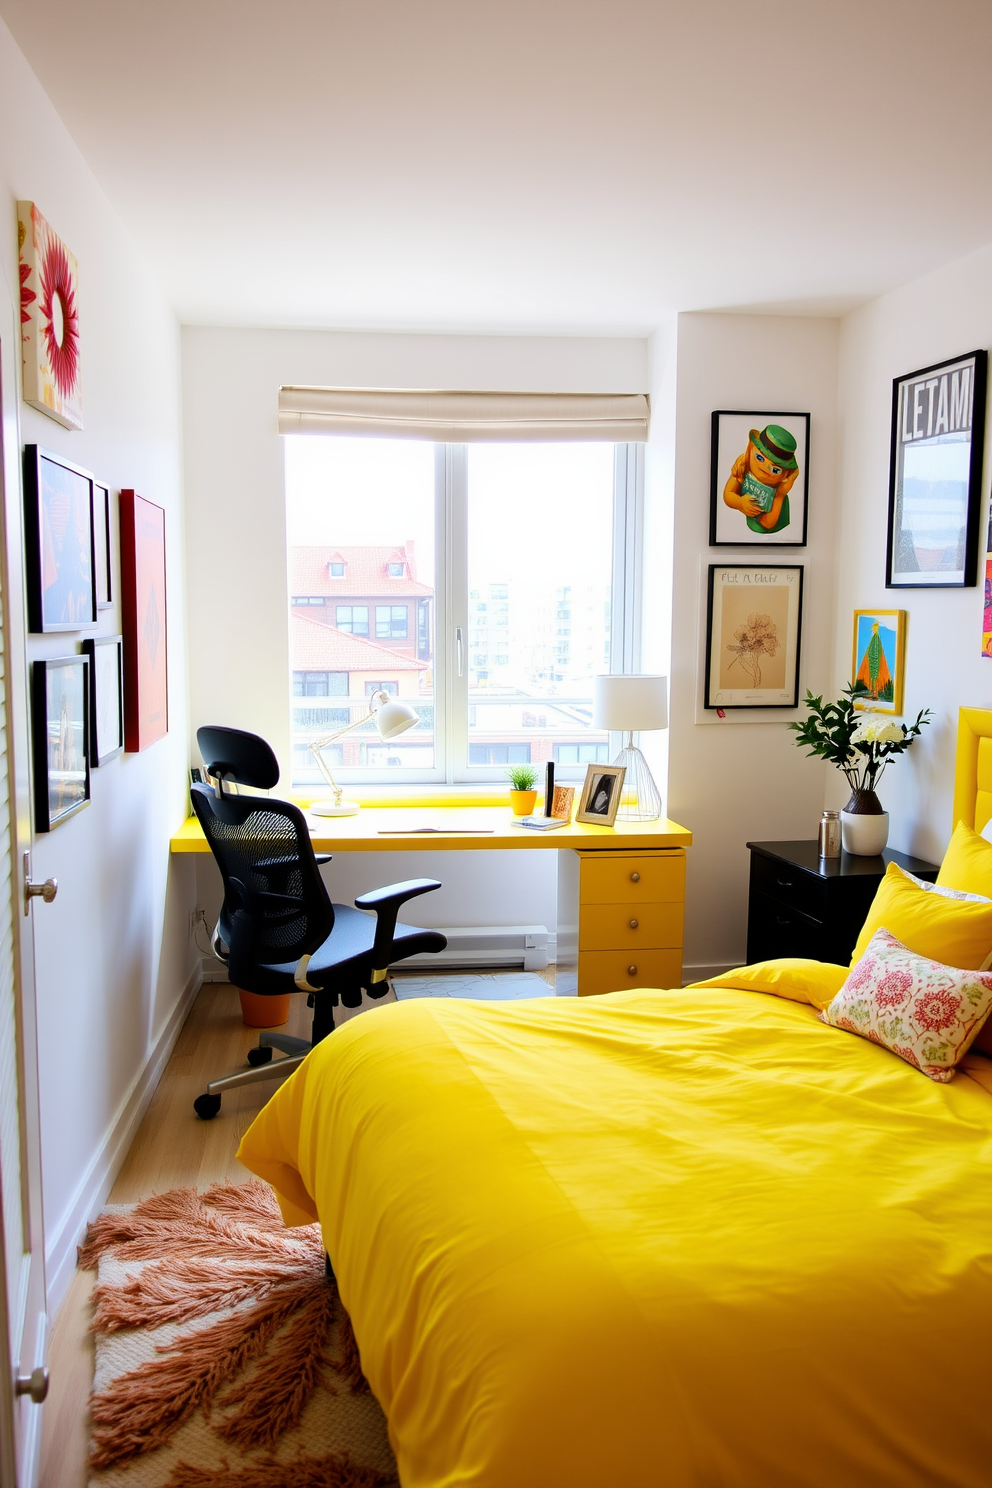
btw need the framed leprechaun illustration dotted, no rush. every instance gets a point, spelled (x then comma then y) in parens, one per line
(759, 479)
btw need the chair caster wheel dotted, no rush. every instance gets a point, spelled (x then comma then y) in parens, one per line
(259, 1055)
(206, 1106)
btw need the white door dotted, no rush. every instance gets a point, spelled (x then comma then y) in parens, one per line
(23, 1314)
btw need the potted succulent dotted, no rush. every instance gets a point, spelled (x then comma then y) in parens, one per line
(523, 796)
(860, 745)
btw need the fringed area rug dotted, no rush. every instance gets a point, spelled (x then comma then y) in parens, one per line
(224, 1358)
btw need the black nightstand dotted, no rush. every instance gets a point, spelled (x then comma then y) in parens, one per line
(800, 904)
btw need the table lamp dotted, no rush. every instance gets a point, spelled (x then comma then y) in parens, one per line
(392, 718)
(622, 704)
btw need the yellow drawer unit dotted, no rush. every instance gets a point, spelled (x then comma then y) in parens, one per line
(630, 920)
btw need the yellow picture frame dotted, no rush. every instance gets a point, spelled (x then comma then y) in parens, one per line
(878, 660)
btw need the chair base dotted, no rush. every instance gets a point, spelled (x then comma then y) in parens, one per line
(263, 1067)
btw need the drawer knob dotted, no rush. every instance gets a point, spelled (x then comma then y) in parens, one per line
(784, 883)
(635, 878)
(633, 924)
(631, 970)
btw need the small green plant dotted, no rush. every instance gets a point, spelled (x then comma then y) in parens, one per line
(522, 777)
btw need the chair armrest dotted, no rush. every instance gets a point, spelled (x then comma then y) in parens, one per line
(386, 902)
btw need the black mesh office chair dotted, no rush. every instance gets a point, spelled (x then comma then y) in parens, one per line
(278, 930)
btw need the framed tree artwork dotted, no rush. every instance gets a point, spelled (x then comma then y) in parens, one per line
(759, 479)
(935, 475)
(878, 663)
(60, 738)
(753, 635)
(146, 673)
(106, 701)
(58, 541)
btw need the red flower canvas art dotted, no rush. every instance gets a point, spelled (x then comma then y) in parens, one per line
(49, 319)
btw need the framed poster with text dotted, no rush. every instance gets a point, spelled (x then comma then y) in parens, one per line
(753, 633)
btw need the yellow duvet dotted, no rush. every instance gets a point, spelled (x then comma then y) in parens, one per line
(690, 1239)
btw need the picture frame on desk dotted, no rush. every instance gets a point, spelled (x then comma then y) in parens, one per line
(106, 705)
(600, 798)
(60, 738)
(58, 543)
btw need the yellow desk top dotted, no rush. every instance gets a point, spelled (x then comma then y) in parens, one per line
(368, 832)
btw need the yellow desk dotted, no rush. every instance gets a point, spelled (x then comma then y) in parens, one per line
(621, 890)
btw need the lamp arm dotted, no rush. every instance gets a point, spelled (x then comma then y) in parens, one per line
(318, 745)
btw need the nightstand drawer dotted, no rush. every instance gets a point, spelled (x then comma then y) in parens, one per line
(613, 971)
(789, 885)
(606, 927)
(632, 878)
(776, 929)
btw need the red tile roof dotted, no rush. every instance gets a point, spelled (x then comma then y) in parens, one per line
(364, 571)
(322, 648)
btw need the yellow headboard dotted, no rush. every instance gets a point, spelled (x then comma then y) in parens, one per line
(973, 769)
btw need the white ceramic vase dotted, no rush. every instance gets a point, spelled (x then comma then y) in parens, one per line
(864, 834)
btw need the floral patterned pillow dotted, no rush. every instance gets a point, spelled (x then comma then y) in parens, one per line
(925, 1012)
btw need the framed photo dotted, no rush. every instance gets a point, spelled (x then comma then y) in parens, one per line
(753, 634)
(759, 479)
(146, 681)
(879, 660)
(59, 725)
(935, 475)
(49, 319)
(58, 539)
(600, 798)
(106, 658)
(101, 546)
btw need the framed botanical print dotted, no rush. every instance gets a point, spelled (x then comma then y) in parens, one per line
(879, 661)
(58, 539)
(935, 475)
(753, 635)
(106, 701)
(759, 479)
(60, 738)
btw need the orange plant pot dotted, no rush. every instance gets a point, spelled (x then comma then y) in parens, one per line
(523, 802)
(264, 1012)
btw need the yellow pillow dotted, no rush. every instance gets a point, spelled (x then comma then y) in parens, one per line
(967, 863)
(957, 932)
(815, 982)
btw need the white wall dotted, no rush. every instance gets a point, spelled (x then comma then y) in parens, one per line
(927, 321)
(113, 956)
(732, 782)
(236, 546)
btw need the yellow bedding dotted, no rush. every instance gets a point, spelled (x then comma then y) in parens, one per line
(690, 1239)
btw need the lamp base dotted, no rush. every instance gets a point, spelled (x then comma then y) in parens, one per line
(328, 808)
(640, 799)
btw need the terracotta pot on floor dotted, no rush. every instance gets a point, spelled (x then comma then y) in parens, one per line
(264, 1012)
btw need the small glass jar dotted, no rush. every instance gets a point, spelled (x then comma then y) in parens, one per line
(828, 837)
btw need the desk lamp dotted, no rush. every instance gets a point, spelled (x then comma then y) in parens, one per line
(622, 704)
(392, 718)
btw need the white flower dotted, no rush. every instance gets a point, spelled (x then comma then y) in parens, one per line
(875, 728)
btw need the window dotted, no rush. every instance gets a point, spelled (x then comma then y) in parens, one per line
(307, 599)
(390, 622)
(473, 632)
(352, 619)
(336, 570)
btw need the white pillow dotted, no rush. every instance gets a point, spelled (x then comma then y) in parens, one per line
(986, 831)
(946, 893)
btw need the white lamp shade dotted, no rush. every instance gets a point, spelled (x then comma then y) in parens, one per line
(393, 718)
(625, 702)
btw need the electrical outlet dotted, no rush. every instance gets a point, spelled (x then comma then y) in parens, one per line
(197, 917)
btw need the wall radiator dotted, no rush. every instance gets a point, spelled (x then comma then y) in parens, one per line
(470, 946)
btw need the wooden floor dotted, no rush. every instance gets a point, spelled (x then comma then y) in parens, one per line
(172, 1147)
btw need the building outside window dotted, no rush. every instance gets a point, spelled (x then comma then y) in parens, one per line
(390, 622)
(352, 619)
(391, 687)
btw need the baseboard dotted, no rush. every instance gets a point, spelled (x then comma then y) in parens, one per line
(703, 973)
(97, 1181)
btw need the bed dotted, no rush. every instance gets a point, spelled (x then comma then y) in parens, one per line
(686, 1238)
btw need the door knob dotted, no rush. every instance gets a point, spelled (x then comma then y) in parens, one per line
(45, 891)
(34, 1384)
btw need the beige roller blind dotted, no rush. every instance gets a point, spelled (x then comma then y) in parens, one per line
(462, 418)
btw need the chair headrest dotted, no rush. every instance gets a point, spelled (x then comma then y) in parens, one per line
(237, 756)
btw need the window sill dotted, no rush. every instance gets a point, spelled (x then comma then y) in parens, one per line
(370, 796)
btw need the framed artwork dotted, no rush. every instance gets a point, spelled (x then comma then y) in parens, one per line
(58, 541)
(106, 659)
(101, 546)
(60, 730)
(879, 660)
(987, 612)
(759, 479)
(935, 475)
(146, 681)
(600, 798)
(49, 319)
(753, 635)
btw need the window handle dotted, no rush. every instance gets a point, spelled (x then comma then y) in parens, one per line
(459, 651)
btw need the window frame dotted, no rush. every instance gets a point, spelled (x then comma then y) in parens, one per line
(453, 609)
